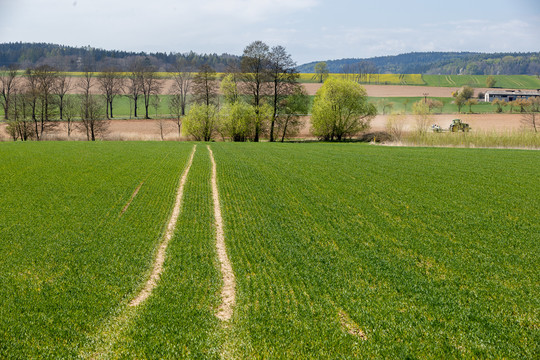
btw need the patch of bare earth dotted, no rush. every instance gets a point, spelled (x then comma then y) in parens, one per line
(160, 256)
(350, 326)
(131, 199)
(228, 291)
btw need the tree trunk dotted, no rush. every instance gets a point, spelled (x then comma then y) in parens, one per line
(61, 108)
(284, 130)
(36, 125)
(92, 131)
(6, 108)
(111, 109)
(257, 130)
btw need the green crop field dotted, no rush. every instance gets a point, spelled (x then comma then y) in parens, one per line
(432, 253)
(373, 79)
(405, 105)
(502, 81)
(339, 251)
(69, 260)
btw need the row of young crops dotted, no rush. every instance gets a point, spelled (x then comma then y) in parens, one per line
(70, 258)
(339, 251)
(501, 81)
(431, 252)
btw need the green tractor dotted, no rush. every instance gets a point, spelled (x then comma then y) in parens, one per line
(457, 125)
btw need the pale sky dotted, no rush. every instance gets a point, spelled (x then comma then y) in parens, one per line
(310, 30)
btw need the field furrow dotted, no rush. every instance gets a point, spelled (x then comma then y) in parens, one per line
(229, 283)
(178, 320)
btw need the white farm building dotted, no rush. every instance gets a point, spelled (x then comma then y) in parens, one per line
(511, 95)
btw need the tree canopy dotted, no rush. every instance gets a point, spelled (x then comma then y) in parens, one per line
(341, 110)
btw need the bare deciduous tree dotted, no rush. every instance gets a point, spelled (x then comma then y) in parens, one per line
(422, 116)
(530, 119)
(175, 108)
(163, 127)
(283, 77)
(71, 110)
(254, 66)
(150, 85)
(182, 84)
(32, 93)
(111, 85)
(8, 81)
(20, 120)
(92, 120)
(46, 77)
(63, 86)
(205, 87)
(134, 84)
(85, 86)
(289, 121)
(91, 109)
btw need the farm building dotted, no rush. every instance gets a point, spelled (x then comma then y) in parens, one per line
(511, 95)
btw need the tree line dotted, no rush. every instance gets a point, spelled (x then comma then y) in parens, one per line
(36, 100)
(446, 63)
(258, 97)
(261, 97)
(69, 58)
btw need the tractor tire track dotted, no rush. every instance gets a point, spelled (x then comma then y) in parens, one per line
(228, 291)
(160, 256)
(131, 199)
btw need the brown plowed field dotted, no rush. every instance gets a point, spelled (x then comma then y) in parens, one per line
(149, 129)
(372, 90)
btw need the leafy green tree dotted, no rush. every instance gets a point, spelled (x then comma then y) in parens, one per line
(462, 96)
(289, 120)
(202, 121)
(466, 92)
(321, 71)
(470, 103)
(490, 81)
(229, 88)
(237, 121)
(341, 110)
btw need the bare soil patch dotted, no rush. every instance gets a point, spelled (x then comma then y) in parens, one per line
(372, 90)
(478, 122)
(348, 325)
(131, 199)
(160, 256)
(149, 129)
(228, 291)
